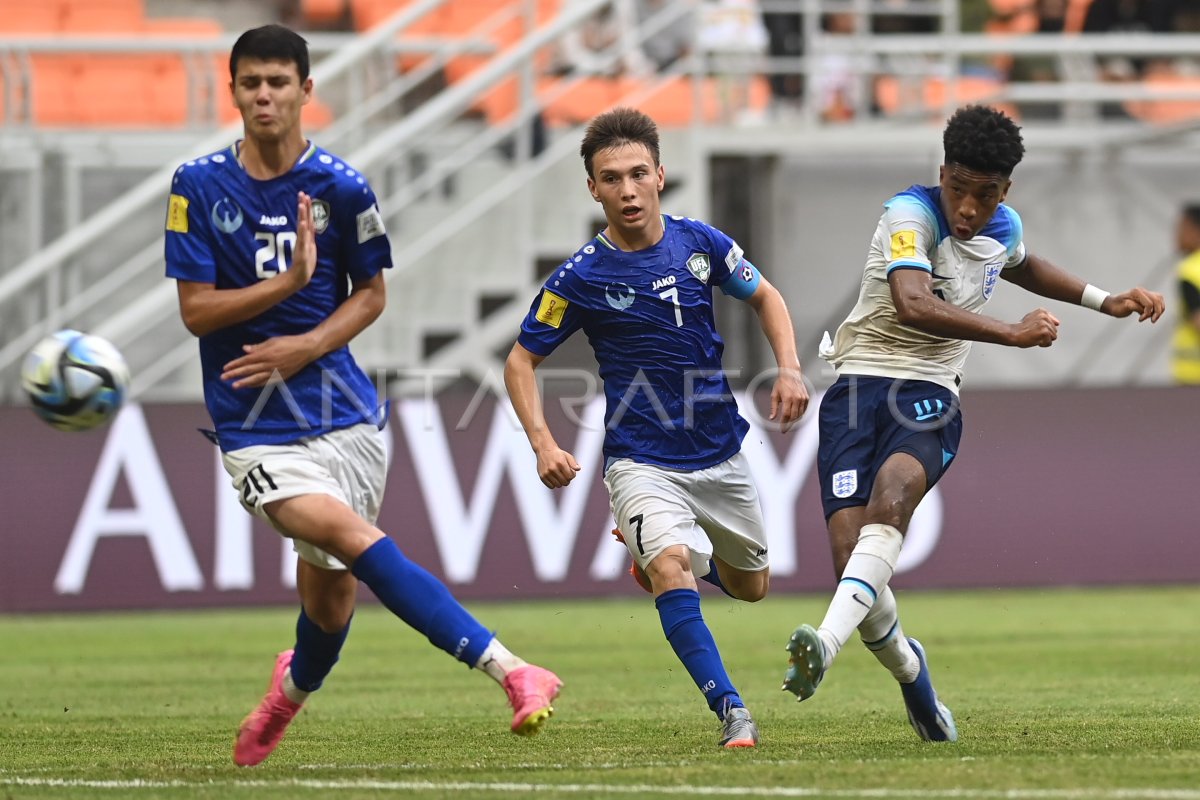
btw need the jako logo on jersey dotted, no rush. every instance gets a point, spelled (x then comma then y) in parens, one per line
(845, 483)
(661, 282)
(226, 215)
(619, 295)
(991, 273)
(265, 220)
(698, 265)
(320, 215)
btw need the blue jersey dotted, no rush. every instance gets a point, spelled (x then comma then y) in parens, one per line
(648, 316)
(230, 230)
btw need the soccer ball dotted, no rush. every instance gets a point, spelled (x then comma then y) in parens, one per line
(75, 381)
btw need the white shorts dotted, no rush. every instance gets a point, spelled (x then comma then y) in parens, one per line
(713, 512)
(349, 464)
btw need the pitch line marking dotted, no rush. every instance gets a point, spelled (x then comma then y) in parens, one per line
(618, 789)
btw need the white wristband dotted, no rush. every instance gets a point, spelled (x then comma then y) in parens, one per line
(1093, 297)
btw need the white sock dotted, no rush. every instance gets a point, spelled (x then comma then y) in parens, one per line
(867, 573)
(497, 662)
(295, 694)
(881, 633)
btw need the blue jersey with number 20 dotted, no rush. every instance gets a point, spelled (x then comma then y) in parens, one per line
(225, 228)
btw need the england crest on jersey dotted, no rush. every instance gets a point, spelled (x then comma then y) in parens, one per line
(991, 274)
(845, 483)
(698, 265)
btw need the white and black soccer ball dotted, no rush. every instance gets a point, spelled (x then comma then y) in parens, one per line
(75, 381)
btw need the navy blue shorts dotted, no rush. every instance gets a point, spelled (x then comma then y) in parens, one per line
(864, 419)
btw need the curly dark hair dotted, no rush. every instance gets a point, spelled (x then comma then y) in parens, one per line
(617, 127)
(983, 139)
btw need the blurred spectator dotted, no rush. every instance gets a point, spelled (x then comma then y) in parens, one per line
(902, 22)
(785, 39)
(836, 82)
(670, 43)
(732, 33)
(1127, 16)
(1185, 349)
(1010, 18)
(589, 47)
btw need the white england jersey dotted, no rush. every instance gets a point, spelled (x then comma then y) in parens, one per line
(913, 234)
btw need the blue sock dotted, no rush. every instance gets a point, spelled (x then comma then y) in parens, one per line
(714, 578)
(316, 653)
(421, 600)
(679, 611)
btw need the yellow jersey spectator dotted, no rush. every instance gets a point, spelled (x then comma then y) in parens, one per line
(1185, 349)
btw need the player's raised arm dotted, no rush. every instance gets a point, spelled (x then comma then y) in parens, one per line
(918, 307)
(1041, 276)
(205, 308)
(556, 467)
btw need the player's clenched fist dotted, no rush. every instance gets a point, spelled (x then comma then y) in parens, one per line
(556, 468)
(1038, 328)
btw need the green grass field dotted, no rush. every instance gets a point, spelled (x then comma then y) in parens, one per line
(1057, 694)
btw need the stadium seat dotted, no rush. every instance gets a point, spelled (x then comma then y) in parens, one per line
(103, 16)
(367, 14)
(322, 13)
(31, 16)
(195, 27)
(52, 89)
(672, 102)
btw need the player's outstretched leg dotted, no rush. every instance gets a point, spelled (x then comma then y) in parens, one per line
(932, 721)
(423, 602)
(531, 691)
(263, 729)
(806, 665)
(738, 728)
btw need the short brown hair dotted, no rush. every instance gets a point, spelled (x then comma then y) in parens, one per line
(617, 127)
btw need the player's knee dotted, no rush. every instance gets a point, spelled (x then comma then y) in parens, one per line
(749, 587)
(892, 507)
(669, 568)
(753, 594)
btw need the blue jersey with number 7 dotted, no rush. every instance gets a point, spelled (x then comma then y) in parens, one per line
(648, 316)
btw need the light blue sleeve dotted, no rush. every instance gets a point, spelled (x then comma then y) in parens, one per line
(912, 234)
(1016, 235)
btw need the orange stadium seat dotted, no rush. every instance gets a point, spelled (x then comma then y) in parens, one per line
(103, 16)
(109, 91)
(322, 12)
(672, 103)
(31, 16)
(369, 13)
(192, 27)
(52, 90)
